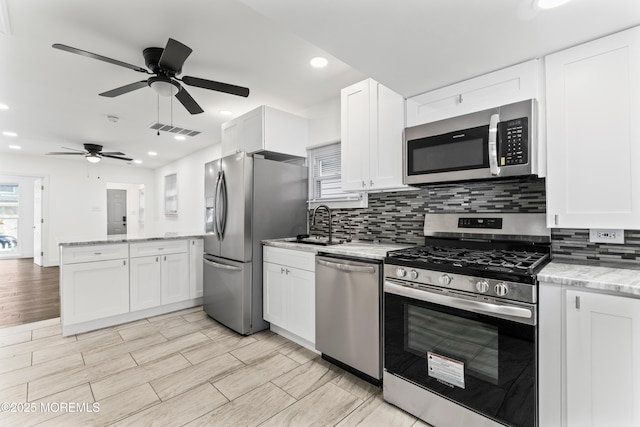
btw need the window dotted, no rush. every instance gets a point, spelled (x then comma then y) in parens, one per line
(171, 194)
(9, 204)
(325, 179)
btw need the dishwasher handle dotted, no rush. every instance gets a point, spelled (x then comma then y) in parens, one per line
(348, 267)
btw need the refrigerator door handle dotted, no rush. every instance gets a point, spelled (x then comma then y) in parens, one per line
(216, 207)
(223, 212)
(223, 266)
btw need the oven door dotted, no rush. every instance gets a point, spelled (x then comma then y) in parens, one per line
(477, 354)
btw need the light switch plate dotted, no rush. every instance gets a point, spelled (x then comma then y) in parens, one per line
(601, 235)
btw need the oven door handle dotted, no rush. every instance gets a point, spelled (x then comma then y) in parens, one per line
(517, 314)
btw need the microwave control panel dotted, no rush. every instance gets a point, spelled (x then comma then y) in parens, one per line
(514, 142)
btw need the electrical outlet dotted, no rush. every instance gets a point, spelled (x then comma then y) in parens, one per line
(599, 235)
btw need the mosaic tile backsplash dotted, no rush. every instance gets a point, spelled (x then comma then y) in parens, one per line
(397, 217)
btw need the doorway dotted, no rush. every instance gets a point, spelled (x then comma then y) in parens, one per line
(116, 211)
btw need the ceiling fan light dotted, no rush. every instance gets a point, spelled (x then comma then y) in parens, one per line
(164, 87)
(92, 158)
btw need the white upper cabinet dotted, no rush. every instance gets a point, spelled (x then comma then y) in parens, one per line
(372, 134)
(593, 105)
(266, 129)
(506, 86)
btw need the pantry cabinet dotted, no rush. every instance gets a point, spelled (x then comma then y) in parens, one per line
(593, 102)
(513, 84)
(266, 129)
(588, 358)
(289, 292)
(372, 131)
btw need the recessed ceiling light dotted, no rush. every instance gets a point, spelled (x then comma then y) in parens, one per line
(225, 112)
(15, 147)
(137, 162)
(318, 62)
(4, 107)
(152, 153)
(7, 133)
(180, 137)
(550, 4)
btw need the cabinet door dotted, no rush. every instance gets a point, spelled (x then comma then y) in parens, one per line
(274, 294)
(356, 134)
(144, 280)
(506, 86)
(232, 137)
(301, 303)
(196, 251)
(603, 350)
(385, 156)
(174, 278)
(93, 290)
(593, 102)
(253, 130)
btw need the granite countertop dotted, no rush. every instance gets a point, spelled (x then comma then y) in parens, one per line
(125, 238)
(622, 281)
(358, 249)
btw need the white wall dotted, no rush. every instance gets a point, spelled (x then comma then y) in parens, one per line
(324, 121)
(190, 175)
(75, 196)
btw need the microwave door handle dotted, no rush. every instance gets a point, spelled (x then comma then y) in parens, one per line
(493, 145)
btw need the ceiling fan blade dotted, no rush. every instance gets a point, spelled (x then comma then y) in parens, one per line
(217, 86)
(112, 153)
(124, 89)
(174, 55)
(116, 157)
(73, 149)
(64, 153)
(189, 103)
(99, 57)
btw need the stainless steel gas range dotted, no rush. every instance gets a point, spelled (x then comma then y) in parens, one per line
(460, 320)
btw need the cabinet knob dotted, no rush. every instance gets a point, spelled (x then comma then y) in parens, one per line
(364, 184)
(371, 183)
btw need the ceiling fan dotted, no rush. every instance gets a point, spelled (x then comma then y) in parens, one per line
(92, 152)
(165, 64)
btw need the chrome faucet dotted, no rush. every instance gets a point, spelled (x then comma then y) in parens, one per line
(313, 218)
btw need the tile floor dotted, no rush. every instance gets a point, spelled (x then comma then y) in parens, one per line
(178, 369)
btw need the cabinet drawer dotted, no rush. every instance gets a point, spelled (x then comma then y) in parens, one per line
(290, 257)
(159, 247)
(77, 254)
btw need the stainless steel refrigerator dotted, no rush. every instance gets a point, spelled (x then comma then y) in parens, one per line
(247, 199)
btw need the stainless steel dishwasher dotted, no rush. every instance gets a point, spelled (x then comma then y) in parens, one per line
(348, 314)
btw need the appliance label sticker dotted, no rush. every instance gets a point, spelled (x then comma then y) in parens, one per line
(446, 370)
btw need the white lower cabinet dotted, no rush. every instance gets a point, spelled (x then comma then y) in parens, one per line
(589, 358)
(289, 291)
(93, 290)
(144, 281)
(602, 360)
(174, 278)
(196, 253)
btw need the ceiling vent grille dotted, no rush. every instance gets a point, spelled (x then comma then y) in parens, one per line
(173, 129)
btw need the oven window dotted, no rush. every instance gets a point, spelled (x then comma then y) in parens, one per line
(449, 152)
(457, 338)
(484, 363)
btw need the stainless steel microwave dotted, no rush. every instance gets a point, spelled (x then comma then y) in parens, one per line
(494, 143)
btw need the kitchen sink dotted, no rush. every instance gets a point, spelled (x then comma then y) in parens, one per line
(318, 241)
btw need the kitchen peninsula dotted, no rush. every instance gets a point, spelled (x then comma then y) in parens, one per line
(116, 279)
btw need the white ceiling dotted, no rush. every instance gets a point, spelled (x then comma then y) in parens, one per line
(411, 46)
(53, 95)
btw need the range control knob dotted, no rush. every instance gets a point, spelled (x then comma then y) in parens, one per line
(501, 289)
(413, 274)
(482, 286)
(445, 280)
(400, 272)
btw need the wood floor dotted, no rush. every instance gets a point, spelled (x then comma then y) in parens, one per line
(28, 292)
(177, 369)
